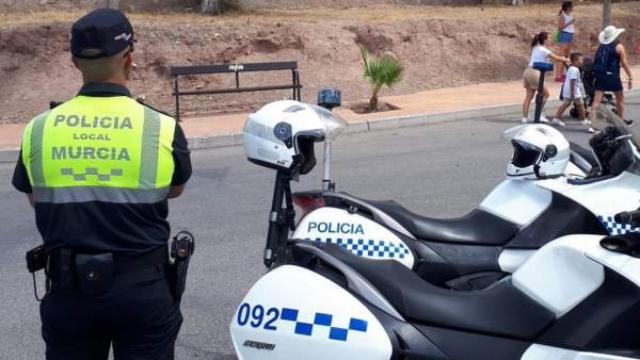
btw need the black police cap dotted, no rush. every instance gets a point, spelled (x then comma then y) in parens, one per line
(101, 33)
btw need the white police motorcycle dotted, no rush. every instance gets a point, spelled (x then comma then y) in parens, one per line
(578, 297)
(471, 252)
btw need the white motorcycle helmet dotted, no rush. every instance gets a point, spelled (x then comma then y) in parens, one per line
(281, 135)
(539, 151)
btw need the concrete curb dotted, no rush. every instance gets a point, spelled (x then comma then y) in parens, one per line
(228, 140)
(200, 143)
(374, 125)
(9, 155)
(392, 122)
(209, 142)
(377, 125)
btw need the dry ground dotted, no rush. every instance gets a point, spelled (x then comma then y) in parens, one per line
(439, 46)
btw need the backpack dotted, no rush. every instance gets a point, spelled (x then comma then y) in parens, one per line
(602, 60)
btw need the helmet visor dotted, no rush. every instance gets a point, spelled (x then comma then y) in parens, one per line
(524, 155)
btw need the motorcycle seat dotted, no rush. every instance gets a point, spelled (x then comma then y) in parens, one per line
(500, 309)
(476, 228)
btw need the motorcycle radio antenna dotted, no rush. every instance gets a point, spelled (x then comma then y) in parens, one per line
(328, 99)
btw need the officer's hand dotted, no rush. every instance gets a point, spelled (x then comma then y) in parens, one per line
(175, 191)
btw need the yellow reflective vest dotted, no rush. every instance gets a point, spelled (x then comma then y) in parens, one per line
(111, 149)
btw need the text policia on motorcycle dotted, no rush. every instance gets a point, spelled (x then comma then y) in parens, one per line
(99, 170)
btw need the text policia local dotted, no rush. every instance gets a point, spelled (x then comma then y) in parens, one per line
(92, 152)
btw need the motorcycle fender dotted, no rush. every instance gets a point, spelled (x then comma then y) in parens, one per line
(356, 233)
(295, 313)
(517, 201)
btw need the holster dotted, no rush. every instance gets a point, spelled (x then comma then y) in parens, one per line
(182, 248)
(178, 278)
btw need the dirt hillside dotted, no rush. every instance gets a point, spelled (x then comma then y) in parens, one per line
(193, 5)
(439, 46)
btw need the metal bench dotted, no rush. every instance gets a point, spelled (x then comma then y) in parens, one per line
(236, 69)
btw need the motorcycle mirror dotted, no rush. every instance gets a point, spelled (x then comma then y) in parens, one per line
(328, 99)
(615, 244)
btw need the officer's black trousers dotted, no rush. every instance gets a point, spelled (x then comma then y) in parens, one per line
(140, 321)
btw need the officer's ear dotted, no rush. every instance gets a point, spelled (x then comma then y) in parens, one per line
(129, 59)
(128, 64)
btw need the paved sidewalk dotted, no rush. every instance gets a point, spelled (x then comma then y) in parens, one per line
(447, 104)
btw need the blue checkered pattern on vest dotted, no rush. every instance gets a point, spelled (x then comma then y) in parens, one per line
(616, 228)
(324, 320)
(369, 248)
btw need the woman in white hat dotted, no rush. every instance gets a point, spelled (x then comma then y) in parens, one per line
(611, 55)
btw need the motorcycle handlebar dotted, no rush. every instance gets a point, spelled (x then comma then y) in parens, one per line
(628, 217)
(609, 137)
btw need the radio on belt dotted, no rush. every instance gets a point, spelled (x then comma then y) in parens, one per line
(181, 249)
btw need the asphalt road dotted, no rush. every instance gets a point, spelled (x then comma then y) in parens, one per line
(438, 170)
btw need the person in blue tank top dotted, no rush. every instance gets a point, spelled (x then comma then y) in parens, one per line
(610, 56)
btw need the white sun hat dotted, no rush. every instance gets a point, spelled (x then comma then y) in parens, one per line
(609, 34)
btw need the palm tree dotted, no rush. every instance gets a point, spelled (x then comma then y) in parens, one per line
(384, 70)
(606, 13)
(217, 7)
(113, 4)
(211, 6)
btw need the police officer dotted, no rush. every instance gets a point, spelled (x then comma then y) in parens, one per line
(98, 170)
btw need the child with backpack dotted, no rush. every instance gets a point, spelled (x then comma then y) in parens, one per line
(573, 92)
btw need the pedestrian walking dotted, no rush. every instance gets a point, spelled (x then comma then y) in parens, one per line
(573, 93)
(610, 57)
(98, 170)
(539, 53)
(566, 33)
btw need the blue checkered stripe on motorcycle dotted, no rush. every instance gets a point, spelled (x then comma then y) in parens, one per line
(616, 228)
(323, 320)
(370, 248)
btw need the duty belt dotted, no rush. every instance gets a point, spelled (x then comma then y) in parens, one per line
(93, 274)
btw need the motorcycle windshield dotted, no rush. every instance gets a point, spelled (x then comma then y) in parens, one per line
(624, 158)
(606, 117)
(333, 123)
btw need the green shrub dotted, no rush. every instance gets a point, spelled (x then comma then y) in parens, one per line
(381, 71)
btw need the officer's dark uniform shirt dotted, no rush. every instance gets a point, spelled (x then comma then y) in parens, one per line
(102, 226)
